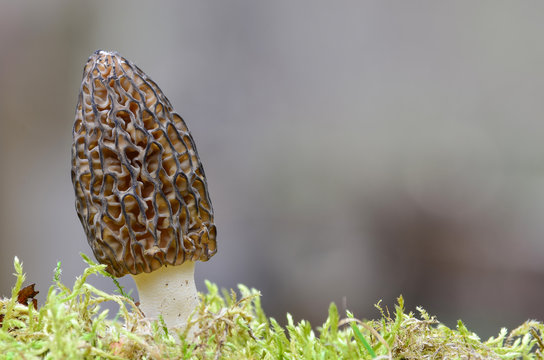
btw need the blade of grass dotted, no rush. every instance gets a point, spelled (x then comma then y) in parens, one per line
(362, 339)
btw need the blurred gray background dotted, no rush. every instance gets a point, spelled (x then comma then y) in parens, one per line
(355, 150)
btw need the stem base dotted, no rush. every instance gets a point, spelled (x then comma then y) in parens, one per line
(170, 291)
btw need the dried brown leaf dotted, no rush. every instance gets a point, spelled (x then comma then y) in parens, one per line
(28, 293)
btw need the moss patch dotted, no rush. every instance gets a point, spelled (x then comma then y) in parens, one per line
(227, 325)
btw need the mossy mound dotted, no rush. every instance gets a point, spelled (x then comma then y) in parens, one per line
(71, 325)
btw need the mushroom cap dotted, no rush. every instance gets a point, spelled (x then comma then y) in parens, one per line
(141, 191)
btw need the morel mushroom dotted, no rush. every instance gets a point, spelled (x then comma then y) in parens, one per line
(141, 192)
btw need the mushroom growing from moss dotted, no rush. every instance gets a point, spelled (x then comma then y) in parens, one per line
(141, 192)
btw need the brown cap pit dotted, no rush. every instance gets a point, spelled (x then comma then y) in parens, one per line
(141, 191)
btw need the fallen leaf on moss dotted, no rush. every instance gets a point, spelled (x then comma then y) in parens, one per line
(28, 293)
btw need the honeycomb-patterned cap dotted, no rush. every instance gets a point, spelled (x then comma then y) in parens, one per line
(141, 192)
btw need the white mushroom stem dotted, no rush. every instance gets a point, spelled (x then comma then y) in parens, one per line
(169, 291)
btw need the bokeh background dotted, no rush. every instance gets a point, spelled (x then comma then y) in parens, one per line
(355, 150)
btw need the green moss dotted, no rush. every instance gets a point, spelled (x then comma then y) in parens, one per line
(71, 325)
